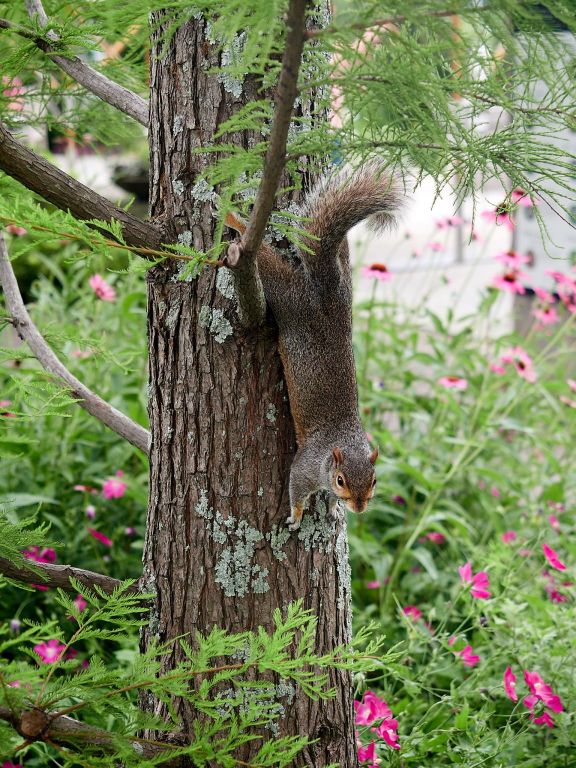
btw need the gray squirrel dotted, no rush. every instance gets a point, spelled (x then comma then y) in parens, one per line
(311, 301)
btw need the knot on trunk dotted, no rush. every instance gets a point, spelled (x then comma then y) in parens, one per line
(33, 724)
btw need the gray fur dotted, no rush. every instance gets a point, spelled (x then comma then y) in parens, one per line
(311, 300)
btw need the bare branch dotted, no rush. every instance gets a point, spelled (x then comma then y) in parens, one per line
(52, 575)
(66, 193)
(243, 262)
(28, 332)
(37, 725)
(112, 93)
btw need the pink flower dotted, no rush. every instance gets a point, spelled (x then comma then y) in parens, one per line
(554, 522)
(13, 90)
(50, 652)
(498, 369)
(500, 216)
(9, 764)
(370, 709)
(469, 658)
(544, 719)
(387, 730)
(545, 314)
(39, 555)
(80, 354)
(100, 537)
(412, 611)
(436, 247)
(512, 259)
(553, 558)
(510, 684)
(90, 512)
(561, 278)
(114, 488)
(375, 584)
(80, 603)
(449, 221)
(572, 384)
(480, 581)
(85, 489)
(542, 691)
(495, 492)
(521, 361)
(378, 272)
(544, 295)
(15, 230)
(101, 288)
(510, 281)
(129, 531)
(434, 537)
(453, 382)
(367, 753)
(520, 197)
(509, 536)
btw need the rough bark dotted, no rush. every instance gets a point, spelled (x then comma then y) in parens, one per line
(218, 551)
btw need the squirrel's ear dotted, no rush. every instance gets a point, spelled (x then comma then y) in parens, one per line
(374, 455)
(338, 457)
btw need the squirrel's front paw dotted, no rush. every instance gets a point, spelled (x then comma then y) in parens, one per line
(292, 523)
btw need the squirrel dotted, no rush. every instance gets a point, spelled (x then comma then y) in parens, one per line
(311, 300)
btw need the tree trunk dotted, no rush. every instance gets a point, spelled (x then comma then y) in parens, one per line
(218, 552)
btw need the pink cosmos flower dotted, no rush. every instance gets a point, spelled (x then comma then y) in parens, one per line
(46, 555)
(9, 764)
(512, 259)
(553, 558)
(480, 581)
(412, 611)
(561, 278)
(114, 488)
(510, 684)
(521, 361)
(545, 719)
(500, 216)
(101, 288)
(375, 584)
(100, 537)
(370, 709)
(453, 382)
(378, 272)
(387, 730)
(510, 281)
(50, 652)
(509, 536)
(542, 691)
(544, 295)
(80, 603)
(520, 197)
(469, 658)
(367, 753)
(497, 369)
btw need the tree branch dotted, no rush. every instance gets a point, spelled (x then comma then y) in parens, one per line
(28, 332)
(112, 93)
(52, 575)
(241, 256)
(37, 725)
(66, 193)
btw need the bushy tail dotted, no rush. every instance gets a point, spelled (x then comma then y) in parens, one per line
(344, 199)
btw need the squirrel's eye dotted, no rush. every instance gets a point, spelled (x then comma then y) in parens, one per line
(340, 481)
(373, 482)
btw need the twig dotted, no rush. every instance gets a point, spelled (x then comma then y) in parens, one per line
(52, 575)
(112, 93)
(37, 725)
(57, 187)
(28, 332)
(242, 256)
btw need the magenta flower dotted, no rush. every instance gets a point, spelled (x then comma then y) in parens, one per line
(367, 753)
(9, 764)
(434, 537)
(545, 719)
(480, 581)
(469, 658)
(378, 272)
(552, 557)
(388, 730)
(554, 522)
(80, 603)
(510, 281)
(510, 684)
(39, 555)
(500, 216)
(544, 295)
(370, 709)
(374, 584)
(449, 221)
(85, 489)
(100, 537)
(114, 488)
(512, 259)
(15, 230)
(521, 361)
(50, 652)
(412, 611)
(520, 197)
(453, 382)
(90, 512)
(509, 536)
(102, 289)
(545, 314)
(542, 691)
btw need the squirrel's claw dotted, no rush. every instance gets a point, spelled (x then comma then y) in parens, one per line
(292, 523)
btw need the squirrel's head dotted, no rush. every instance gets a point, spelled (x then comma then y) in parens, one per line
(353, 478)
